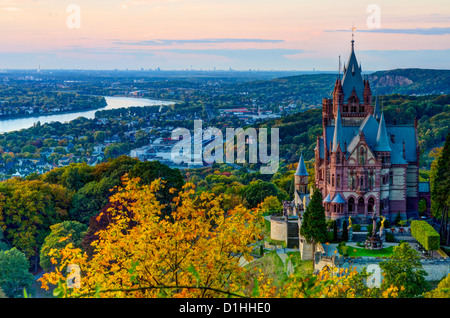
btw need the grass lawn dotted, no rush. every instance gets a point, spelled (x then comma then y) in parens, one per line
(358, 251)
(273, 268)
(301, 268)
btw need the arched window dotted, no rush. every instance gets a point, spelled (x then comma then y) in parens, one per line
(361, 205)
(371, 205)
(351, 204)
(338, 180)
(362, 158)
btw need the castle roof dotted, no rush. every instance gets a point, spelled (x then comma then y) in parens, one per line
(350, 135)
(352, 78)
(338, 199)
(382, 142)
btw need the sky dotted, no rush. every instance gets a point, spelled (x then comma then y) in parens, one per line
(222, 34)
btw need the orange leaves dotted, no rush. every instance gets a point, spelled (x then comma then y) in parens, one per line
(197, 234)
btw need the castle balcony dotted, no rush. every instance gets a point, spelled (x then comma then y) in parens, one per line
(361, 191)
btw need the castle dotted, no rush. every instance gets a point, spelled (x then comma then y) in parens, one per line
(364, 165)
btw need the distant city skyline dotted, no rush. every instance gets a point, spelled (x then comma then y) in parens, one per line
(280, 35)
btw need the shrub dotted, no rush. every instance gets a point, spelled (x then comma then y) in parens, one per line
(425, 234)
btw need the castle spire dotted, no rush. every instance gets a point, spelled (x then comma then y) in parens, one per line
(382, 143)
(352, 78)
(353, 37)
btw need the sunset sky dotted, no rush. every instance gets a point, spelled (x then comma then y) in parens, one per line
(223, 34)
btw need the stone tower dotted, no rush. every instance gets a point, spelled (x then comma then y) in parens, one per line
(301, 177)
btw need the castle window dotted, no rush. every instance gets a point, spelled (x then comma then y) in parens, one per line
(391, 178)
(371, 205)
(338, 180)
(362, 159)
(351, 205)
(393, 139)
(361, 108)
(332, 180)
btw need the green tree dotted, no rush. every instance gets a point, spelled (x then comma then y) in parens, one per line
(440, 185)
(14, 274)
(76, 176)
(256, 191)
(60, 236)
(91, 198)
(404, 270)
(314, 225)
(28, 210)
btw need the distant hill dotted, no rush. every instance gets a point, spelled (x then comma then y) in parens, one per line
(412, 81)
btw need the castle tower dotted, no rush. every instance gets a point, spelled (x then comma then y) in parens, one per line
(301, 177)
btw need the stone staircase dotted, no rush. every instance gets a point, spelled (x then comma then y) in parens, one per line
(292, 234)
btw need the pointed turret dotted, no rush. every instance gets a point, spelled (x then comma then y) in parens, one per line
(337, 137)
(352, 77)
(382, 143)
(301, 168)
(338, 93)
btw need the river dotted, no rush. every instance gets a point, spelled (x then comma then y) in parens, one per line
(13, 124)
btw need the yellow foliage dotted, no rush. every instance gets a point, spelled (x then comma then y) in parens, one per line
(160, 256)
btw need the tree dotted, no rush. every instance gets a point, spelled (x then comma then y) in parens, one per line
(271, 204)
(60, 236)
(440, 182)
(76, 176)
(313, 225)
(404, 269)
(344, 236)
(256, 191)
(190, 254)
(442, 290)
(14, 274)
(28, 210)
(91, 198)
(150, 171)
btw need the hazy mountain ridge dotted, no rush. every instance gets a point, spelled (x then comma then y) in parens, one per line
(411, 81)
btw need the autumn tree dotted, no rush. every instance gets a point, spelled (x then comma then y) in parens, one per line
(28, 209)
(193, 253)
(442, 290)
(60, 236)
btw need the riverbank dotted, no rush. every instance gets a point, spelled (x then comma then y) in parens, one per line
(112, 102)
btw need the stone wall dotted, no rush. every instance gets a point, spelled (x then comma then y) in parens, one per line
(436, 268)
(278, 229)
